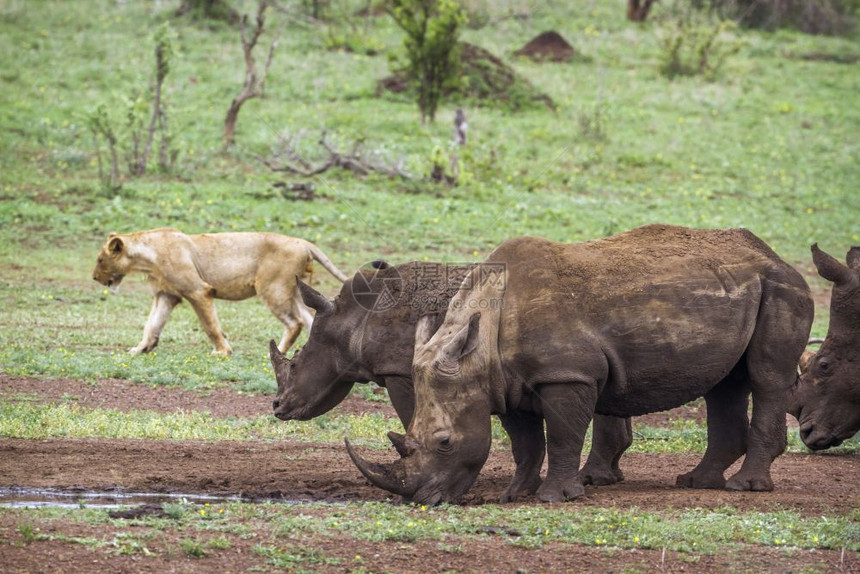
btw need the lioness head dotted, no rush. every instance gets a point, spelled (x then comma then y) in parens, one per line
(112, 263)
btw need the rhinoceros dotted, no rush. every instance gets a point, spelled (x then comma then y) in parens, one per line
(367, 333)
(627, 325)
(826, 402)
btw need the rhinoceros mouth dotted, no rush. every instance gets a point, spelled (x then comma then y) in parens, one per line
(821, 439)
(295, 414)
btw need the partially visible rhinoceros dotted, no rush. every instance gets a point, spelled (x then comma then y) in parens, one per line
(826, 402)
(632, 324)
(367, 333)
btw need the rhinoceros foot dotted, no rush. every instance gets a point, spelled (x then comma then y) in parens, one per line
(698, 479)
(747, 481)
(519, 488)
(600, 475)
(560, 490)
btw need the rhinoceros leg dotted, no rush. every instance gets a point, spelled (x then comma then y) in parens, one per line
(567, 410)
(727, 431)
(772, 356)
(610, 438)
(529, 448)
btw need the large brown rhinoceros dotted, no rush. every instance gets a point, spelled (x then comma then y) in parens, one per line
(826, 402)
(632, 324)
(367, 333)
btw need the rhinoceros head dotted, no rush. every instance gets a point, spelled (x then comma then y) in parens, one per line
(826, 402)
(448, 440)
(321, 374)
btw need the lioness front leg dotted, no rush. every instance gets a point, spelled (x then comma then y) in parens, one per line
(162, 304)
(205, 308)
(567, 410)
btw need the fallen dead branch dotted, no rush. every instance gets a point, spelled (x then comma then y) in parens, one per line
(286, 158)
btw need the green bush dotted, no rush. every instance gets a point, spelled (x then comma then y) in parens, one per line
(432, 52)
(691, 46)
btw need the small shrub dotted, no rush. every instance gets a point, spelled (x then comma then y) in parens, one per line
(145, 117)
(432, 52)
(192, 548)
(28, 533)
(592, 122)
(694, 47)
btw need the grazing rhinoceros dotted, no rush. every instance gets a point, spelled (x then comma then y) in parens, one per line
(826, 402)
(367, 333)
(632, 324)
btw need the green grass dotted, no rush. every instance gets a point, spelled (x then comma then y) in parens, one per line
(20, 419)
(694, 531)
(71, 421)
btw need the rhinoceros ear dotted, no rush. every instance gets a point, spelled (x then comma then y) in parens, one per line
(314, 299)
(829, 267)
(426, 328)
(464, 342)
(379, 264)
(853, 258)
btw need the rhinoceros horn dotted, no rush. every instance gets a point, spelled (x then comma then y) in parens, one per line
(402, 445)
(279, 362)
(314, 299)
(383, 476)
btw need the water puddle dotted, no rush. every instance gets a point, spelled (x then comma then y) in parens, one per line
(19, 497)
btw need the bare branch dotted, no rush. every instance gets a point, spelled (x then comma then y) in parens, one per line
(254, 86)
(288, 159)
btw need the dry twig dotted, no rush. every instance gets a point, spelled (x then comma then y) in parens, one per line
(255, 86)
(287, 159)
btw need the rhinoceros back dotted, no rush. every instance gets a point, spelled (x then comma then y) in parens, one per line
(659, 314)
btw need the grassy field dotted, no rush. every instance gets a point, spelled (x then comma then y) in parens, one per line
(771, 144)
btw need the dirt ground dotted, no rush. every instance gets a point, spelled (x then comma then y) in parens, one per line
(299, 471)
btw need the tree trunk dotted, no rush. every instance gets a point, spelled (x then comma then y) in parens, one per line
(637, 11)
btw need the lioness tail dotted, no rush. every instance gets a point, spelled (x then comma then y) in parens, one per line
(326, 262)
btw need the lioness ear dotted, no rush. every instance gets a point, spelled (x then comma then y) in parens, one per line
(853, 258)
(314, 299)
(115, 246)
(465, 341)
(829, 267)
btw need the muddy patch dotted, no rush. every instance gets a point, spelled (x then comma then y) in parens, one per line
(293, 471)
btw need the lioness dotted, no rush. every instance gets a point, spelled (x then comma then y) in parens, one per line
(201, 268)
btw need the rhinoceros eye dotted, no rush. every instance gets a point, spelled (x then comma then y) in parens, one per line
(444, 445)
(824, 366)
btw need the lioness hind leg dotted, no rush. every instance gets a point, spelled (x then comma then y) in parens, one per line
(283, 300)
(728, 427)
(162, 305)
